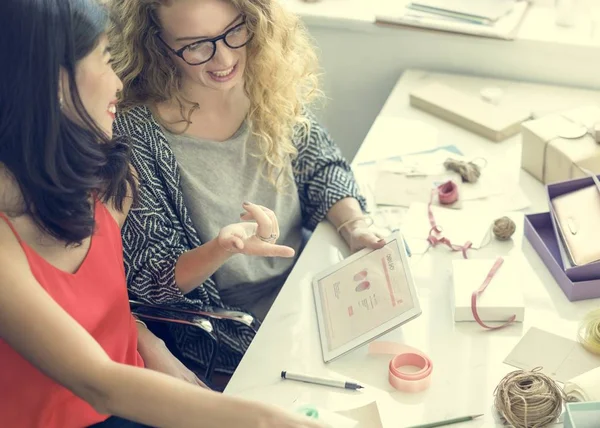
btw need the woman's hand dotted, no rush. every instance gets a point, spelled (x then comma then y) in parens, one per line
(358, 235)
(256, 236)
(262, 416)
(157, 357)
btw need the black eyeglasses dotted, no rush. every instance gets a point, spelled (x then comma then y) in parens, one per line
(204, 50)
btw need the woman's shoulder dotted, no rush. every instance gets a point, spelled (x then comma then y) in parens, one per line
(135, 122)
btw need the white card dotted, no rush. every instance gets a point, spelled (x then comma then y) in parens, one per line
(560, 358)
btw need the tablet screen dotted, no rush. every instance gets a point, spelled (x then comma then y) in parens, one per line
(364, 294)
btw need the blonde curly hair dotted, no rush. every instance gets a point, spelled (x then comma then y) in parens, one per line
(281, 76)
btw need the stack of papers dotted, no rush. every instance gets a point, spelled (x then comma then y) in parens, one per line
(486, 18)
(411, 178)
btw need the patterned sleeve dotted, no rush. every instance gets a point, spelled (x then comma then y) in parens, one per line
(151, 248)
(322, 175)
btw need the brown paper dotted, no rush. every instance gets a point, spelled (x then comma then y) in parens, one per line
(554, 147)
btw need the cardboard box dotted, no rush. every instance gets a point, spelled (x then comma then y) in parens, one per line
(469, 112)
(582, 415)
(540, 233)
(502, 298)
(555, 145)
(587, 272)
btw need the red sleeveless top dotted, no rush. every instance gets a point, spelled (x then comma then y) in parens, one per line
(96, 297)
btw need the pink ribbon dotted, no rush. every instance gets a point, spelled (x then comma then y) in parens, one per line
(480, 290)
(405, 356)
(449, 193)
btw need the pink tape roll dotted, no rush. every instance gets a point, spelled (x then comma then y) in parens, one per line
(405, 356)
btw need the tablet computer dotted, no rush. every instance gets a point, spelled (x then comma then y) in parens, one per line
(363, 297)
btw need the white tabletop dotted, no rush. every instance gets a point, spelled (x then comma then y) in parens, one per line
(467, 360)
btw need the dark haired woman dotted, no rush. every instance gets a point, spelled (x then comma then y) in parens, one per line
(70, 351)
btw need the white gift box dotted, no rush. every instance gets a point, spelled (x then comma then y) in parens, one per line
(502, 298)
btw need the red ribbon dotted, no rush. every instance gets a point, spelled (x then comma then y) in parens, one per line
(480, 290)
(446, 191)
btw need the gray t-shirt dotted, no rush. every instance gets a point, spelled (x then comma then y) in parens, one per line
(216, 178)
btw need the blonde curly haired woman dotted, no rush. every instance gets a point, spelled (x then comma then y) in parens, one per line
(215, 100)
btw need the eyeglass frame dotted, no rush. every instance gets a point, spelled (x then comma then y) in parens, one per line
(214, 40)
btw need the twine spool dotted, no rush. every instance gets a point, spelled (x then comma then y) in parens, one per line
(528, 399)
(504, 228)
(589, 332)
(469, 171)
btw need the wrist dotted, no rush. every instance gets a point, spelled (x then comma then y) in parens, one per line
(216, 248)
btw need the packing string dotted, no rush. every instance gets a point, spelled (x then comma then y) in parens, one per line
(528, 399)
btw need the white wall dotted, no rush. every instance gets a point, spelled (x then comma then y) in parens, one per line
(362, 63)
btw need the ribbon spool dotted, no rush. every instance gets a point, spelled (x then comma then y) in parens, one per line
(527, 399)
(447, 192)
(405, 356)
(589, 332)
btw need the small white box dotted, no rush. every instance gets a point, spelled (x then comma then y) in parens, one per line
(502, 298)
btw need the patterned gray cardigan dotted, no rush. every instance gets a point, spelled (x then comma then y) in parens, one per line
(159, 229)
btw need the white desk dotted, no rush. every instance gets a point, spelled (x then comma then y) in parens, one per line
(467, 360)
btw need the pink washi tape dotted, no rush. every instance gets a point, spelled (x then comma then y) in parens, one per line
(405, 356)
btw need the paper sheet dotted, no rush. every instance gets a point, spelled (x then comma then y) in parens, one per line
(459, 226)
(585, 387)
(367, 416)
(560, 358)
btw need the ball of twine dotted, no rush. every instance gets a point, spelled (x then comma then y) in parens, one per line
(504, 228)
(589, 332)
(528, 399)
(469, 171)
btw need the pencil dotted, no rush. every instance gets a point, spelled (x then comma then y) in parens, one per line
(447, 422)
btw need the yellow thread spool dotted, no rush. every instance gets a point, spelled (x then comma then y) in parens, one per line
(589, 332)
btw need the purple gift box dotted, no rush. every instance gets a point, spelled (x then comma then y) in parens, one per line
(540, 233)
(587, 272)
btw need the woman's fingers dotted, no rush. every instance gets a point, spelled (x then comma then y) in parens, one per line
(274, 220)
(265, 227)
(274, 250)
